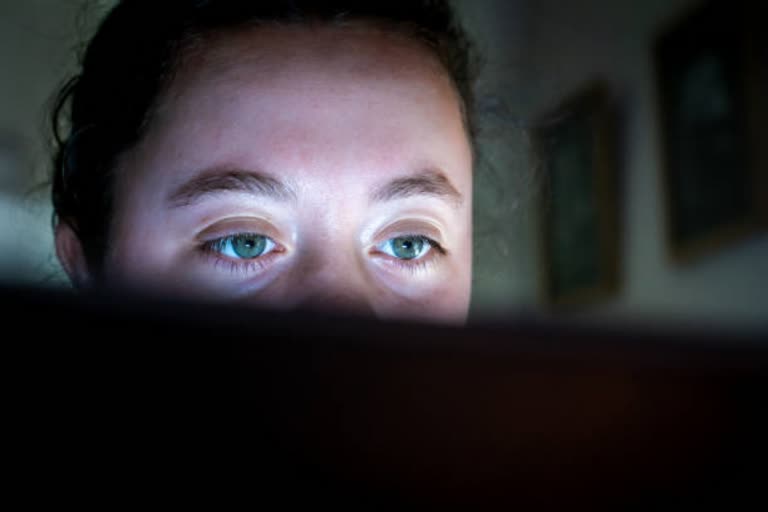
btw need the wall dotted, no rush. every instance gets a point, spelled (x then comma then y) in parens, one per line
(505, 277)
(572, 42)
(38, 42)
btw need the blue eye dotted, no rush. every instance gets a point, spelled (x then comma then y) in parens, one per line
(243, 246)
(409, 247)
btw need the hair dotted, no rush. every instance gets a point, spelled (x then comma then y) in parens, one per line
(104, 110)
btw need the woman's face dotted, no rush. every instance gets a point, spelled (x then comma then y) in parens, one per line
(303, 167)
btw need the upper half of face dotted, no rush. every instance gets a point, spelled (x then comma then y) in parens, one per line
(296, 165)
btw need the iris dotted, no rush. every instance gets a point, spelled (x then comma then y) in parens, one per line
(249, 246)
(407, 247)
(246, 246)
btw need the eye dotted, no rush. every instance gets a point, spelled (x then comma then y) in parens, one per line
(242, 246)
(407, 247)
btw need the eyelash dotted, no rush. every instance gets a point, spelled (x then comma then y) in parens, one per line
(239, 266)
(259, 263)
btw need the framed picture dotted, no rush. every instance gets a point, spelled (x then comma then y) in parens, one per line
(710, 71)
(579, 244)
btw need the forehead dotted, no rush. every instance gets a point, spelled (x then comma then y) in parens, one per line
(317, 63)
(304, 96)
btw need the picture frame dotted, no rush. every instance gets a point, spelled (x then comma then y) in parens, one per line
(710, 68)
(574, 146)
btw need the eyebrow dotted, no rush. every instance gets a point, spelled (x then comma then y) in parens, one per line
(216, 181)
(212, 182)
(429, 182)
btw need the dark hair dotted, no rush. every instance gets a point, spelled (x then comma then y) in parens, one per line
(104, 110)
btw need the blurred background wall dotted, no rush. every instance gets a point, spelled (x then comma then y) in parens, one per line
(537, 52)
(38, 44)
(540, 52)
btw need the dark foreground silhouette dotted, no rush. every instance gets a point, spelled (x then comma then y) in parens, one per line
(125, 400)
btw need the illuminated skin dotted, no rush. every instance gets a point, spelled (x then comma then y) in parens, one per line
(340, 157)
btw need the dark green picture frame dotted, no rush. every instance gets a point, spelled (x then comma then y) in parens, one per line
(574, 145)
(710, 70)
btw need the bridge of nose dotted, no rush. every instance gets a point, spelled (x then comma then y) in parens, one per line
(333, 279)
